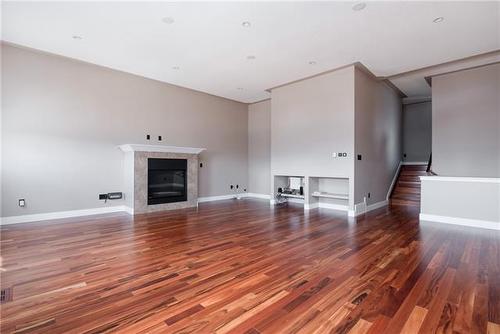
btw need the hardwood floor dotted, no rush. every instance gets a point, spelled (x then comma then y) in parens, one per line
(242, 267)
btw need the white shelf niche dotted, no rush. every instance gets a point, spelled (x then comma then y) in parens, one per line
(283, 181)
(330, 195)
(328, 191)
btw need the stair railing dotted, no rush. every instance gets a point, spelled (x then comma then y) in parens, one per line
(429, 166)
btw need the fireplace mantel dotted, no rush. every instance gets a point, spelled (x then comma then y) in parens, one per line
(160, 148)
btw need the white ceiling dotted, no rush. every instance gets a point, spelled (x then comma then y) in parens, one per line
(414, 84)
(210, 46)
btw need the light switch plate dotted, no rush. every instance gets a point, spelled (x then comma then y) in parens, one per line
(334, 154)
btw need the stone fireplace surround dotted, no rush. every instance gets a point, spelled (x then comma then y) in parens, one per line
(136, 175)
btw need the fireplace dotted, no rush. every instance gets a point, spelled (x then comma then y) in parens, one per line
(167, 180)
(160, 177)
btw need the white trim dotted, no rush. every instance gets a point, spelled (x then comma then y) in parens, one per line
(128, 210)
(288, 199)
(64, 214)
(361, 208)
(460, 179)
(311, 206)
(416, 163)
(232, 196)
(296, 200)
(394, 179)
(377, 205)
(255, 195)
(332, 206)
(217, 198)
(492, 225)
(160, 148)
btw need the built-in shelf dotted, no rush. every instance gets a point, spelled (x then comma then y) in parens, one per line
(292, 196)
(330, 195)
(317, 191)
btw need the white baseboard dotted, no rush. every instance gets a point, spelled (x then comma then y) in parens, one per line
(417, 163)
(492, 225)
(331, 206)
(255, 195)
(362, 208)
(289, 200)
(311, 206)
(64, 214)
(394, 179)
(217, 198)
(108, 209)
(128, 210)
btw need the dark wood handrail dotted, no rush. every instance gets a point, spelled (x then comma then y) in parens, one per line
(429, 164)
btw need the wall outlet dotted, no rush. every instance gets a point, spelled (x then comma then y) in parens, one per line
(148, 137)
(369, 195)
(103, 196)
(231, 186)
(159, 138)
(22, 202)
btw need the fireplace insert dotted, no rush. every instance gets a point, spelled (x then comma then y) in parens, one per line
(167, 181)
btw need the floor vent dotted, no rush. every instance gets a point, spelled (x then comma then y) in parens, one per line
(5, 295)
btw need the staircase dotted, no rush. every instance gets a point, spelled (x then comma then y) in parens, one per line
(407, 188)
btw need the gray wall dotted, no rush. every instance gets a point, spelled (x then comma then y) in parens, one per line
(466, 123)
(417, 131)
(259, 147)
(378, 126)
(62, 121)
(310, 120)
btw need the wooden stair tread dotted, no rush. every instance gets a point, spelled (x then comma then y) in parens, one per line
(417, 173)
(407, 188)
(411, 190)
(414, 167)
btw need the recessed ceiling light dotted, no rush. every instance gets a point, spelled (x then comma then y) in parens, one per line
(76, 37)
(438, 19)
(246, 24)
(359, 6)
(251, 57)
(175, 67)
(312, 62)
(167, 20)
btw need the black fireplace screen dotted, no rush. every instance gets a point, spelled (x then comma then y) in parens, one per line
(167, 181)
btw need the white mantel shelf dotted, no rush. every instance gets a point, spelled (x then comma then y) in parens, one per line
(160, 148)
